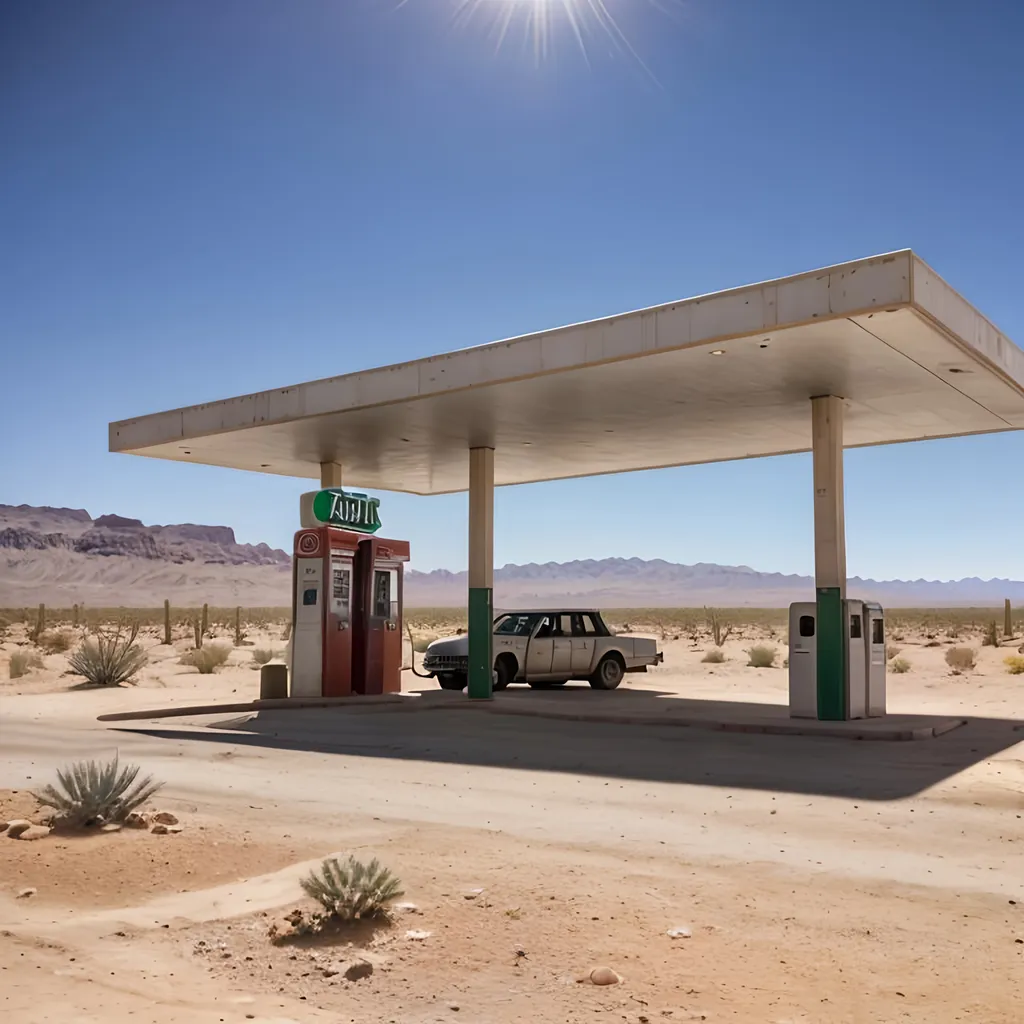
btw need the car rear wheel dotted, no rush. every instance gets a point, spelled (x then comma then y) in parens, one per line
(608, 673)
(451, 680)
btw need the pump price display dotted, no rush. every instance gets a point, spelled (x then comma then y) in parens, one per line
(336, 507)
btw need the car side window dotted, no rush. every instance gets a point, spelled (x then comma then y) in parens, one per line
(545, 628)
(562, 626)
(583, 625)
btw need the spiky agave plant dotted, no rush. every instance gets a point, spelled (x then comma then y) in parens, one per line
(93, 793)
(110, 658)
(351, 890)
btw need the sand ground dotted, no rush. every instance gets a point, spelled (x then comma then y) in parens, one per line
(821, 880)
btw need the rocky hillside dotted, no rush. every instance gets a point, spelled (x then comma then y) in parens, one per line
(63, 556)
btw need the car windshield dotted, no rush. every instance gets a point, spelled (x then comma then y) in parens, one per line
(516, 625)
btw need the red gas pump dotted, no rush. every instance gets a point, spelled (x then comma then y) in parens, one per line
(377, 649)
(323, 576)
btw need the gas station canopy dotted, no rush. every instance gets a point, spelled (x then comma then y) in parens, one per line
(722, 376)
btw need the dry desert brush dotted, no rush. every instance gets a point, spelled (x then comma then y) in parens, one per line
(95, 793)
(24, 661)
(714, 657)
(350, 890)
(761, 656)
(960, 659)
(899, 665)
(1014, 664)
(109, 658)
(207, 658)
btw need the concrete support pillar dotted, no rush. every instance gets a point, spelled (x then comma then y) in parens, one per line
(829, 556)
(330, 474)
(481, 571)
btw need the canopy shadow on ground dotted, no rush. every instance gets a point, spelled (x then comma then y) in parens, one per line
(812, 765)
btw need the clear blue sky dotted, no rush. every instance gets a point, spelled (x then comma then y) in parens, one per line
(200, 199)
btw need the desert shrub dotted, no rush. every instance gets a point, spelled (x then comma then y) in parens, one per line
(56, 641)
(421, 643)
(715, 657)
(109, 658)
(991, 637)
(1014, 664)
(899, 665)
(91, 793)
(960, 659)
(262, 655)
(761, 656)
(207, 658)
(24, 661)
(891, 652)
(351, 890)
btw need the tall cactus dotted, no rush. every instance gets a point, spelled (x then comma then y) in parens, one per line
(167, 622)
(197, 629)
(1007, 619)
(206, 619)
(238, 626)
(75, 617)
(40, 622)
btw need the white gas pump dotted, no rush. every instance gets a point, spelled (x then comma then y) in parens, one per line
(864, 649)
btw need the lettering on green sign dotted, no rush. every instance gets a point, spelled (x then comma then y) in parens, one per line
(344, 508)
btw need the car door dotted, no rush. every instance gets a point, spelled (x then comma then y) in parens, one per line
(561, 645)
(584, 641)
(540, 651)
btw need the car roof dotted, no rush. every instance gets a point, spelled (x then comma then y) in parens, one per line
(557, 610)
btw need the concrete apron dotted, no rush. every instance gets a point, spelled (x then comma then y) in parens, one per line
(770, 720)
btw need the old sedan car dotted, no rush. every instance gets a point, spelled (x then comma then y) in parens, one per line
(546, 648)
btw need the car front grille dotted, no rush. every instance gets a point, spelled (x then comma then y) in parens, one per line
(450, 662)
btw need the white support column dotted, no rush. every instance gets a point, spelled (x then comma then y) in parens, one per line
(481, 571)
(829, 556)
(330, 474)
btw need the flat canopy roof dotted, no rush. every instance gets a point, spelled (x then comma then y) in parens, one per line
(717, 377)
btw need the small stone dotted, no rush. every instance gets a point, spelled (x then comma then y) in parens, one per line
(136, 820)
(604, 976)
(679, 932)
(25, 893)
(417, 935)
(165, 818)
(330, 970)
(16, 827)
(111, 826)
(406, 908)
(3, 827)
(34, 832)
(453, 1006)
(472, 894)
(159, 830)
(174, 829)
(358, 970)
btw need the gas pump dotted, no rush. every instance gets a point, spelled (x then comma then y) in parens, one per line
(322, 612)
(346, 599)
(377, 656)
(863, 653)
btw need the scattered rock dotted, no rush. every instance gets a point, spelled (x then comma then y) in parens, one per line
(33, 832)
(165, 818)
(453, 1006)
(472, 894)
(174, 829)
(417, 935)
(604, 976)
(159, 830)
(3, 827)
(25, 893)
(136, 820)
(406, 908)
(679, 932)
(358, 970)
(330, 970)
(111, 826)
(16, 827)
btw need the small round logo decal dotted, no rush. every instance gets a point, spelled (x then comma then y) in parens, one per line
(309, 544)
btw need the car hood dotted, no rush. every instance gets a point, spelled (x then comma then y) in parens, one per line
(452, 646)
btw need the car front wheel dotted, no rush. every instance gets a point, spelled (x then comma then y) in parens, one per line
(609, 673)
(451, 680)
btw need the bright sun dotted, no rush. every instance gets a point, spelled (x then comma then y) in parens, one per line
(539, 23)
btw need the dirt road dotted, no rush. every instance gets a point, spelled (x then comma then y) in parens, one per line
(820, 880)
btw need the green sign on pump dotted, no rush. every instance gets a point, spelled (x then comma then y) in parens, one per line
(336, 507)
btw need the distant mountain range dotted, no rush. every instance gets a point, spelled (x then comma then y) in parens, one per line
(63, 556)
